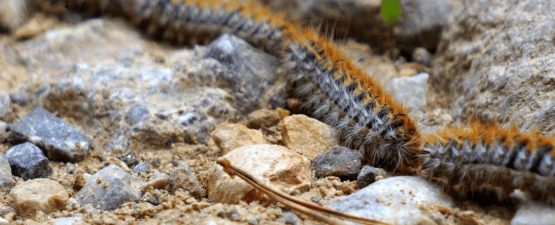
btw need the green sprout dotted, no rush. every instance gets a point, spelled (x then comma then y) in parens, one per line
(391, 10)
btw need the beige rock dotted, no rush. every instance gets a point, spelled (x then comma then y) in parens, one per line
(263, 118)
(231, 136)
(39, 195)
(307, 136)
(276, 165)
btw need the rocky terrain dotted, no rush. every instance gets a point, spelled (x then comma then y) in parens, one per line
(100, 124)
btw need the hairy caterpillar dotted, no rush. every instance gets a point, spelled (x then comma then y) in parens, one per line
(482, 158)
(486, 159)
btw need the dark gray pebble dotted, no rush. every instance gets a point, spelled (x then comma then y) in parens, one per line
(59, 140)
(27, 161)
(339, 161)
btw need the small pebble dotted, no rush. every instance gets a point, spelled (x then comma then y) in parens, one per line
(158, 180)
(109, 188)
(422, 56)
(39, 195)
(339, 161)
(142, 167)
(368, 175)
(28, 162)
(231, 136)
(184, 178)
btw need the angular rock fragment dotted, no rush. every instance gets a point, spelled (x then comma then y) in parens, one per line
(339, 161)
(59, 140)
(109, 188)
(27, 161)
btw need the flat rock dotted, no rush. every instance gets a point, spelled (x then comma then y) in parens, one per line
(411, 91)
(6, 179)
(278, 166)
(534, 213)
(308, 137)
(27, 161)
(369, 174)
(39, 195)
(185, 179)
(339, 161)
(158, 180)
(231, 136)
(398, 200)
(60, 140)
(109, 188)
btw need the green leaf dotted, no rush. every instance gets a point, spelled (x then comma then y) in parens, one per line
(391, 10)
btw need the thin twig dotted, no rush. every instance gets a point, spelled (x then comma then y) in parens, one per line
(317, 212)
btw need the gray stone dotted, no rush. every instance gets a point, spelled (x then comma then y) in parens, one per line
(20, 98)
(6, 110)
(534, 213)
(368, 175)
(59, 140)
(338, 161)
(109, 188)
(6, 179)
(184, 178)
(27, 161)
(249, 71)
(410, 91)
(142, 167)
(397, 200)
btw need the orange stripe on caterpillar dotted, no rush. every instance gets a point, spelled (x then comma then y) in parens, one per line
(487, 159)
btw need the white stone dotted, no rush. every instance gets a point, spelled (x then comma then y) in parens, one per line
(397, 200)
(534, 213)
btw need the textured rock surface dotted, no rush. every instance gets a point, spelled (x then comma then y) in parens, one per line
(497, 63)
(282, 168)
(339, 161)
(6, 179)
(185, 179)
(411, 91)
(28, 162)
(307, 136)
(399, 200)
(109, 188)
(534, 213)
(369, 174)
(231, 136)
(60, 140)
(39, 195)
